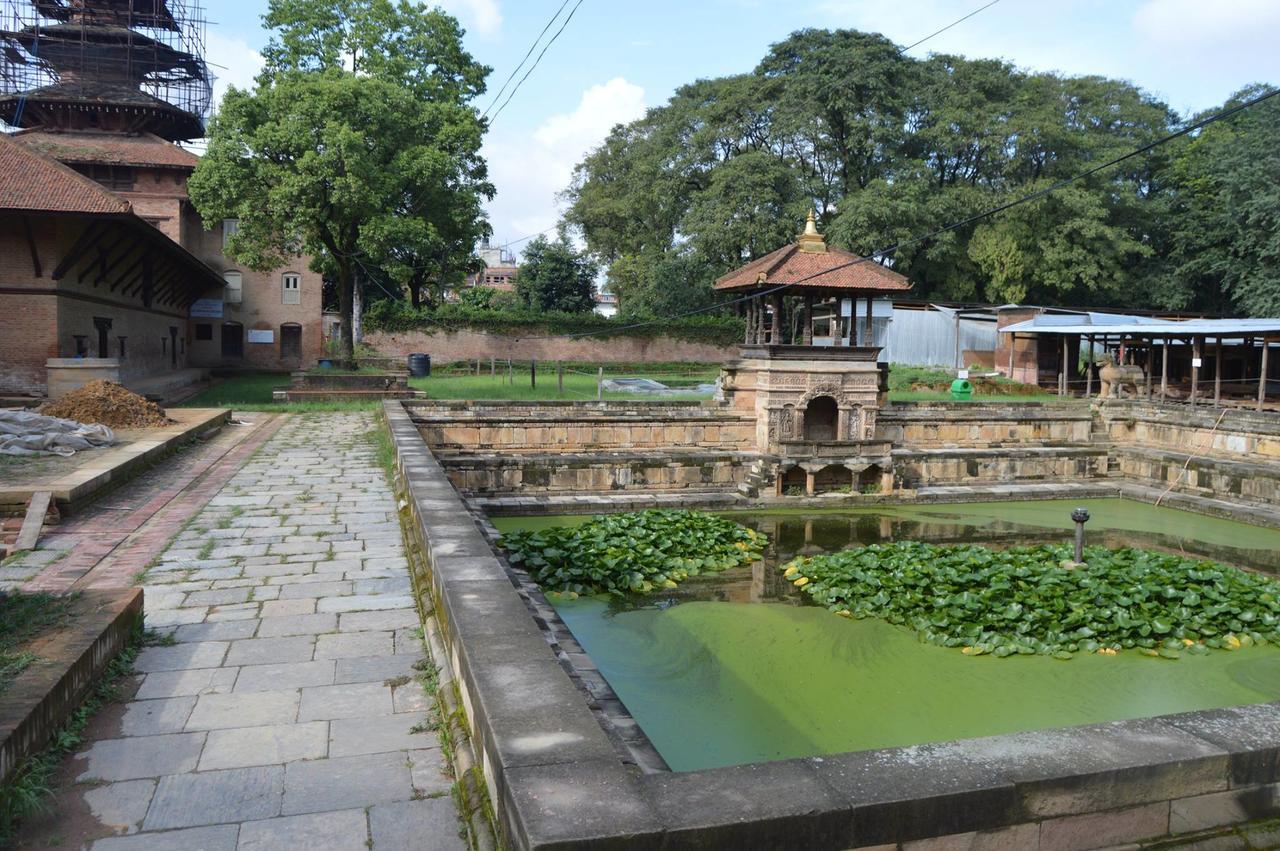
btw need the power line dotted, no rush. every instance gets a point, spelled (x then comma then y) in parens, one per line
(525, 59)
(537, 61)
(885, 252)
(949, 26)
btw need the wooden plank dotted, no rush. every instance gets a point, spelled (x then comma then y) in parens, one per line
(33, 522)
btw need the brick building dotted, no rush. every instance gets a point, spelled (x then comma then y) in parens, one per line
(95, 117)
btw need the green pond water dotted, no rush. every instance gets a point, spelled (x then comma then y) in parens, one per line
(737, 668)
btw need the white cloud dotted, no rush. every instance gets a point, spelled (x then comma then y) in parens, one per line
(530, 169)
(233, 61)
(1242, 24)
(483, 16)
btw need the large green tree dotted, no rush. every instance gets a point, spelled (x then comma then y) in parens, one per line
(358, 146)
(887, 148)
(1223, 246)
(556, 276)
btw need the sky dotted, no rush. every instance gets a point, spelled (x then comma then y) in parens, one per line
(618, 57)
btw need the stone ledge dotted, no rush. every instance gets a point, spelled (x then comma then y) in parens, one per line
(71, 660)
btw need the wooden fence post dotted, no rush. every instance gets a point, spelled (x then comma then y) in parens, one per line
(533, 373)
(600, 384)
(559, 378)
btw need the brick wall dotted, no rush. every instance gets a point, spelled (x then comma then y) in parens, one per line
(468, 345)
(262, 308)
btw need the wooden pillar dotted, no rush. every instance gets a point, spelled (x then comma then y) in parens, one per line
(1262, 377)
(1013, 345)
(1088, 370)
(1150, 365)
(810, 483)
(806, 336)
(1197, 344)
(775, 336)
(1217, 370)
(1164, 369)
(869, 335)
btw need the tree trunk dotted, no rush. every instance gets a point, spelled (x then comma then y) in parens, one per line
(346, 341)
(415, 292)
(357, 310)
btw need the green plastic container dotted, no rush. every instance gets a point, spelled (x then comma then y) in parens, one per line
(961, 389)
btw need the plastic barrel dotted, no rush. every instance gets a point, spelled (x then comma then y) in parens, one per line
(961, 389)
(419, 365)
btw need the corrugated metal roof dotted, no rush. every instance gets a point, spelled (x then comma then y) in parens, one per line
(1144, 326)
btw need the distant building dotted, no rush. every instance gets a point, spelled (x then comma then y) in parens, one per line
(606, 304)
(499, 270)
(82, 249)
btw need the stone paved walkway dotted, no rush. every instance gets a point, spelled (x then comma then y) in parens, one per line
(109, 542)
(288, 714)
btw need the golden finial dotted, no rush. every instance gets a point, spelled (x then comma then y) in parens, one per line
(811, 240)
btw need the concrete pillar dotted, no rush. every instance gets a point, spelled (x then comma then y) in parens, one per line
(810, 482)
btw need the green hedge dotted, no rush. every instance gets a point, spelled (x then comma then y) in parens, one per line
(399, 316)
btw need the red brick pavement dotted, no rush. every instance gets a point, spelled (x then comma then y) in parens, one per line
(116, 537)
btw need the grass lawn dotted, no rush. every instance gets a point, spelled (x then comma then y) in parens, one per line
(252, 392)
(24, 618)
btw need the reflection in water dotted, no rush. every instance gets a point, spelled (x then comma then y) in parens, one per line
(738, 667)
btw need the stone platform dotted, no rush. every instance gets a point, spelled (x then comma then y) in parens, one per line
(79, 479)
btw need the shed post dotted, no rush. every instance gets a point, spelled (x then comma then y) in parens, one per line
(775, 335)
(1164, 369)
(959, 365)
(1151, 362)
(1013, 343)
(807, 335)
(1196, 349)
(1217, 371)
(1062, 372)
(1262, 377)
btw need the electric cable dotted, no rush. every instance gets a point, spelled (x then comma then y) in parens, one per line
(537, 61)
(524, 59)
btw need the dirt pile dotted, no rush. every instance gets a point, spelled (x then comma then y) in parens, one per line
(108, 403)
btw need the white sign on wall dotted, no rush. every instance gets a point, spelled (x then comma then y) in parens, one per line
(1197, 363)
(206, 308)
(267, 336)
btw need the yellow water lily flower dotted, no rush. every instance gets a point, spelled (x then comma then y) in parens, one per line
(791, 571)
(1232, 642)
(1187, 642)
(801, 582)
(844, 613)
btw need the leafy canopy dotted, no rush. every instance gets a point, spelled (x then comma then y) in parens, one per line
(556, 277)
(887, 147)
(358, 146)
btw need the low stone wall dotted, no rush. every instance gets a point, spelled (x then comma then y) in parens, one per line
(919, 424)
(608, 472)
(468, 345)
(1227, 432)
(571, 427)
(44, 696)
(560, 780)
(916, 468)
